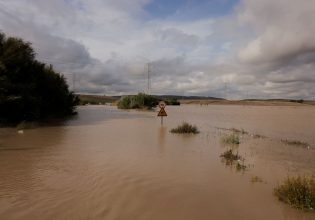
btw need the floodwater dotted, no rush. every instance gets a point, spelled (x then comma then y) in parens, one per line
(123, 165)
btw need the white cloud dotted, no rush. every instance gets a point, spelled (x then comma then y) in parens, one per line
(263, 49)
(284, 28)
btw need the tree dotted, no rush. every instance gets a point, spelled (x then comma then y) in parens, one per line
(30, 90)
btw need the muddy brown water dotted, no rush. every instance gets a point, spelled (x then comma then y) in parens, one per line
(112, 164)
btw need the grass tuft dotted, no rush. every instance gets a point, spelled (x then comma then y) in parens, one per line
(231, 139)
(299, 192)
(185, 128)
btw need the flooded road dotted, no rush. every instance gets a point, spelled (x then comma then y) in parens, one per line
(123, 165)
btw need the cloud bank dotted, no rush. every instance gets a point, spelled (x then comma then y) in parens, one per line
(262, 49)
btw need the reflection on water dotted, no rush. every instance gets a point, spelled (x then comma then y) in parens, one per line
(112, 164)
(161, 138)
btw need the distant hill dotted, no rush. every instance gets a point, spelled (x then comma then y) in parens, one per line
(188, 97)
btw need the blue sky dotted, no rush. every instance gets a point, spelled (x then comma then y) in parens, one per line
(190, 9)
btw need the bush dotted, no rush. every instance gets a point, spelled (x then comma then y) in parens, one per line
(299, 192)
(30, 90)
(137, 101)
(185, 128)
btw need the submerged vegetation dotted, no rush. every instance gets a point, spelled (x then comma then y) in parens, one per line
(299, 192)
(231, 139)
(238, 131)
(233, 160)
(258, 136)
(30, 90)
(230, 156)
(240, 166)
(185, 128)
(256, 179)
(296, 143)
(140, 101)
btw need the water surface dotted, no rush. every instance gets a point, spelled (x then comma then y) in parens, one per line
(112, 164)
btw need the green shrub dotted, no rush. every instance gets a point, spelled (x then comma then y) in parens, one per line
(299, 192)
(185, 128)
(124, 102)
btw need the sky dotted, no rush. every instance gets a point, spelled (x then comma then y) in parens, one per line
(233, 49)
